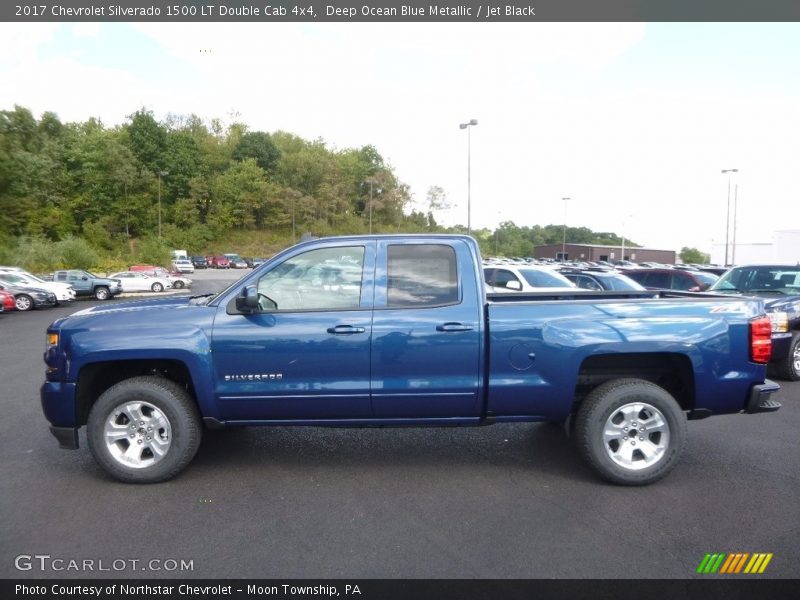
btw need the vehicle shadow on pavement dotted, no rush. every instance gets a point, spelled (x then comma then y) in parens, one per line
(536, 449)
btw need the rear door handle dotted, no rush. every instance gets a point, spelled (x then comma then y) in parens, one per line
(345, 330)
(453, 327)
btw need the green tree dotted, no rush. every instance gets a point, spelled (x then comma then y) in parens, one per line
(693, 255)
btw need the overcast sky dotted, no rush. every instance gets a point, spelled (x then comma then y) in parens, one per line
(633, 121)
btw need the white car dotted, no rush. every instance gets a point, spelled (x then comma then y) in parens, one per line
(63, 291)
(183, 266)
(178, 282)
(511, 278)
(132, 281)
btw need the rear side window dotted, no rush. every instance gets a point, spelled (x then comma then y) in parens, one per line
(682, 282)
(658, 280)
(421, 275)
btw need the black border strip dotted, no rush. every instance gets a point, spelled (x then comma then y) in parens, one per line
(419, 11)
(710, 588)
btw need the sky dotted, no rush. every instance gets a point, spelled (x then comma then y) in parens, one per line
(634, 121)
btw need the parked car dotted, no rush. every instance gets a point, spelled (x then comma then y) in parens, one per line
(182, 266)
(524, 279)
(257, 262)
(63, 291)
(86, 284)
(673, 279)
(199, 262)
(236, 261)
(602, 280)
(219, 262)
(27, 298)
(131, 281)
(177, 280)
(7, 301)
(779, 286)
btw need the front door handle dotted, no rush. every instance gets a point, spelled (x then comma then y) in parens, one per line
(453, 327)
(345, 330)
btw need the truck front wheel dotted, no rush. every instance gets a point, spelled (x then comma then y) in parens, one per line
(631, 431)
(144, 430)
(101, 293)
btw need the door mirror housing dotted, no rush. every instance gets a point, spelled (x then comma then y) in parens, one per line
(514, 285)
(247, 300)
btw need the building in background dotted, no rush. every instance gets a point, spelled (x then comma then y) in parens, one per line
(609, 253)
(783, 249)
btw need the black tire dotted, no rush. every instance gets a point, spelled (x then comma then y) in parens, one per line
(101, 293)
(173, 402)
(23, 302)
(604, 407)
(157, 287)
(178, 285)
(789, 367)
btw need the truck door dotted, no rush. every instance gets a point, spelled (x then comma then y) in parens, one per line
(427, 331)
(304, 353)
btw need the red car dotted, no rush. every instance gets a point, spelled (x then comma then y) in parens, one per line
(7, 301)
(219, 262)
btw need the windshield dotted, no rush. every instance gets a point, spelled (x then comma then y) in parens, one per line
(537, 278)
(779, 280)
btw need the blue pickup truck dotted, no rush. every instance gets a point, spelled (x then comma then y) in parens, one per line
(398, 330)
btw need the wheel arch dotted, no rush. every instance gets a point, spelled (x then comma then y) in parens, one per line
(672, 371)
(95, 378)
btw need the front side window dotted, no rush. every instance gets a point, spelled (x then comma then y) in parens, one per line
(421, 275)
(323, 279)
(502, 278)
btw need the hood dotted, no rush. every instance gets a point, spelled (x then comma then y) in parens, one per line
(135, 306)
(789, 304)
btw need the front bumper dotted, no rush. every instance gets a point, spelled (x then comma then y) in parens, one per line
(759, 399)
(781, 342)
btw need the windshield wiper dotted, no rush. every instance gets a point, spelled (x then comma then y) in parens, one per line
(768, 291)
(200, 296)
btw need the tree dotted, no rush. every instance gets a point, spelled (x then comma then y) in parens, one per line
(693, 255)
(258, 145)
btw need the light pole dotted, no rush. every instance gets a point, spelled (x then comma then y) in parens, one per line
(160, 175)
(471, 123)
(728, 211)
(564, 238)
(735, 203)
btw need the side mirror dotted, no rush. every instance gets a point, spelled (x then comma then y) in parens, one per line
(85, 278)
(514, 285)
(247, 300)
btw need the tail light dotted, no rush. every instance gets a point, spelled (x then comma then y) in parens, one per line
(760, 340)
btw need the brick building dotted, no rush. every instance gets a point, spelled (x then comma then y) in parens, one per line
(609, 253)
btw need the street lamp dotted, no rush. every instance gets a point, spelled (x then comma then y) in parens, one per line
(471, 123)
(564, 239)
(728, 212)
(735, 203)
(160, 175)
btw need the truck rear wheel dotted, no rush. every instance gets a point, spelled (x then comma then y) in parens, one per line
(144, 430)
(631, 431)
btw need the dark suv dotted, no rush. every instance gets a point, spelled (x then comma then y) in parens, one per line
(672, 279)
(779, 286)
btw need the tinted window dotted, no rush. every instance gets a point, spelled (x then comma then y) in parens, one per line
(502, 277)
(682, 282)
(657, 280)
(421, 275)
(324, 279)
(584, 282)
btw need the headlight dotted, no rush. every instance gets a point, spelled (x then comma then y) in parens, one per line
(780, 322)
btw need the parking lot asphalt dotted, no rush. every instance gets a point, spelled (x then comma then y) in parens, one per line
(506, 501)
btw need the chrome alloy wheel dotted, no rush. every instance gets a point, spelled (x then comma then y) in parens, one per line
(636, 436)
(796, 359)
(137, 434)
